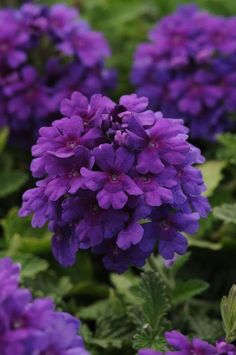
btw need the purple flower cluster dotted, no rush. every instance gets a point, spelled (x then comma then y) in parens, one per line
(183, 346)
(30, 326)
(117, 179)
(188, 70)
(45, 54)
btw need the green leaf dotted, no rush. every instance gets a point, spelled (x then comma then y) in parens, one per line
(212, 174)
(30, 265)
(228, 313)
(124, 285)
(19, 234)
(11, 181)
(226, 212)
(206, 328)
(48, 284)
(185, 290)
(228, 149)
(149, 315)
(4, 133)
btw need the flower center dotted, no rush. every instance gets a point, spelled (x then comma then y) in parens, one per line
(164, 224)
(74, 173)
(114, 177)
(72, 144)
(146, 178)
(153, 144)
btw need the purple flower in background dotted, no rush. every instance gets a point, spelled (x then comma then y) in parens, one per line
(13, 40)
(187, 70)
(117, 179)
(183, 346)
(30, 326)
(46, 53)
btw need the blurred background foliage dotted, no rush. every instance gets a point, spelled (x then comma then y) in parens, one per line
(110, 305)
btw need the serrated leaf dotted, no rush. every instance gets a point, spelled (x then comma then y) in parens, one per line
(228, 313)
(149, 314)
(143, 340)
(212, 174)
(185, 290)
(11, 181)
(226, 213)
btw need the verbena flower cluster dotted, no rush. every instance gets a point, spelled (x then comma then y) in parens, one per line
(183, 346)
(117, 179)
(46, 53)
(30, 326)
(188, 70)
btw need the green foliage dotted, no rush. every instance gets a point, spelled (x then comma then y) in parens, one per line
(149, 314)
(185, 290)
(20, 236)
(226, 213)
(11, 179)
(228, 147)
(228, 312)
(212, 174)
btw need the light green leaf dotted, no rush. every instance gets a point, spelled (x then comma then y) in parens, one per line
(19, 235)
(226, 212)
(30, 265)
(185, 290)
(228, 313)
(212, 174)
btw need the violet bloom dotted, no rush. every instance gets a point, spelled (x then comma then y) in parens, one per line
(30, 326)
(34, 78)
(112, 181)
(117, 179)
(13, 40)
(186, 70)
(183, 346)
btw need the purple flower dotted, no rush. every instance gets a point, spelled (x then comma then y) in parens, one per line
(87, 45)
(13, 40)
(117, 179)
(34, 78)
(113, 181)
(183, 346)
(30, 326)
(186, 70)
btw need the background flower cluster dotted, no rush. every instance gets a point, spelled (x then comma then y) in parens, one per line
(45, 54)
(187, 69)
